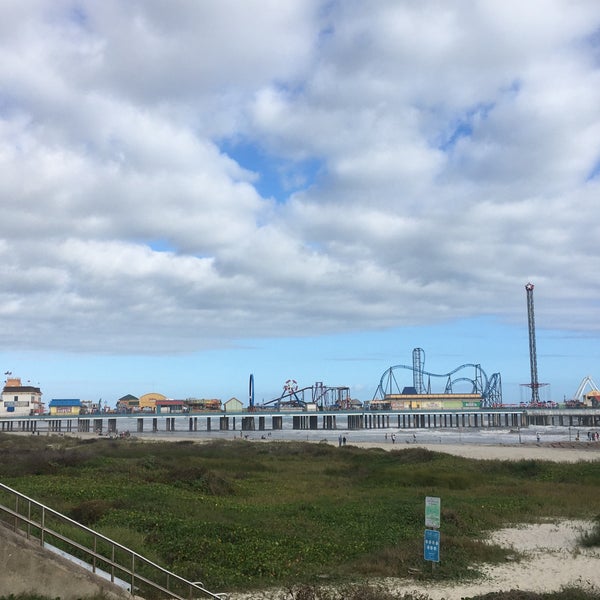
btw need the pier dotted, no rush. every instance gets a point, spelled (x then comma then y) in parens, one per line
(113, 424)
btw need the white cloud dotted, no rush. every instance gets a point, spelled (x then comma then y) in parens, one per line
(456, 141)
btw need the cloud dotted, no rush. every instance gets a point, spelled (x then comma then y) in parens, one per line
(451, 153)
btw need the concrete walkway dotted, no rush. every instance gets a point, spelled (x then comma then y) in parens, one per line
(28, 568)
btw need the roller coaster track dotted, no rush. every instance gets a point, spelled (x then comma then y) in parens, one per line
(489, 388)
(321, 395)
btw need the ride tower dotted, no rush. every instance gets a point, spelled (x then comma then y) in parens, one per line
(534, 385)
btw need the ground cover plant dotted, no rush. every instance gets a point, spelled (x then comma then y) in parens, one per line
(369, 593)
(244, 515)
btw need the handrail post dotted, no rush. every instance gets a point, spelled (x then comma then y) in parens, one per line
(16, 526)
(28, 519)
(132, 573)
(112, 564)
(95, 552)
(43, 524)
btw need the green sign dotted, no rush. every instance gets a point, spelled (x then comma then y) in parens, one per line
(432, 512)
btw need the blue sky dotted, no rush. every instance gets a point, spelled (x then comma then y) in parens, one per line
(187, 200)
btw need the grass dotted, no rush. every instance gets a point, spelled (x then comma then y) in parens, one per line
(247, 515)
(363, 592)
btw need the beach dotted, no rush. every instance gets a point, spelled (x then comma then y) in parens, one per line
(556, 444)
(566, 452)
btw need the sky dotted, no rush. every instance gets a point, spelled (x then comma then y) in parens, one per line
(193, 192)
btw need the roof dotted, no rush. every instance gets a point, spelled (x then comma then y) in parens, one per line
(12, 389)
(65, 402)
(169, 402)
(233, 401)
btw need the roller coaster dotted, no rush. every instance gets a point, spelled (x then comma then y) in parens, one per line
(317, 396)
(321, 397)
(490, 388)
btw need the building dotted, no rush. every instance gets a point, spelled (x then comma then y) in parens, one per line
(233, 405)
(67, 406)
(415, 401)
(170, 406)
(148, 401)
(20, 400)
(203, 404)
(128, 404)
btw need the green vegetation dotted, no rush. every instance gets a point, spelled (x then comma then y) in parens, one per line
(358, 592)
(247, 515)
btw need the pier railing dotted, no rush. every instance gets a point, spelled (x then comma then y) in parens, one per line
(98, 553)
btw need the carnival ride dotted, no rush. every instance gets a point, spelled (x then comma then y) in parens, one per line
(490, 388)
(581, 398)
(317, 396)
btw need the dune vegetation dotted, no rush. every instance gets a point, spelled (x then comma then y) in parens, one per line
(242, 515)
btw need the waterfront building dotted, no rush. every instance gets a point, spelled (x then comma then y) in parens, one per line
(203, 404)
(20, 400)
(233, 405)
(148, 401)
(128, 404)
(170, 406)
(65, 406)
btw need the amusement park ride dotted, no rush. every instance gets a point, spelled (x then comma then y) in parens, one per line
(466, 386)
(314, 397)
(470, 376)
(471, 380)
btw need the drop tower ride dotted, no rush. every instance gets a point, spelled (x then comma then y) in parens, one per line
(535, 397)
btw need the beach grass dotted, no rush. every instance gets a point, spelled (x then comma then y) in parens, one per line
(362, 592)
(253, 515)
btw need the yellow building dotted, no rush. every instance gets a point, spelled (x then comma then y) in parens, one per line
(148, 401)
(427, 402)
(69, 406)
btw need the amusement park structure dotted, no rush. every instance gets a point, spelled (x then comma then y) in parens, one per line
(483, 391)
(534, 385)
(467, 386)
(314, 397)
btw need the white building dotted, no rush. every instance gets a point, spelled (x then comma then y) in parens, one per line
(233, 405)
(20, 400)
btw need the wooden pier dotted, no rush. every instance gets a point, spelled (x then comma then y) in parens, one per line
(110, 423)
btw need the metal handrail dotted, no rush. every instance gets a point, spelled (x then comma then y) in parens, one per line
(136, 568)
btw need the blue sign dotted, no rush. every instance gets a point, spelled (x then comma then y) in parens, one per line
(431, 546)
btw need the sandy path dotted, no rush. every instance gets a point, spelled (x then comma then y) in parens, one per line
(565, 453)
(552, 560)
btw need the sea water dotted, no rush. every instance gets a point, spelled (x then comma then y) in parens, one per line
(483, 436)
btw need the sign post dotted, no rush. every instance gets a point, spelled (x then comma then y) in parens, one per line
(432, 512)
(431, 544)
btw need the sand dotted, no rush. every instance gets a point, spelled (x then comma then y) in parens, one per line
(567, 452)
(550, 560)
